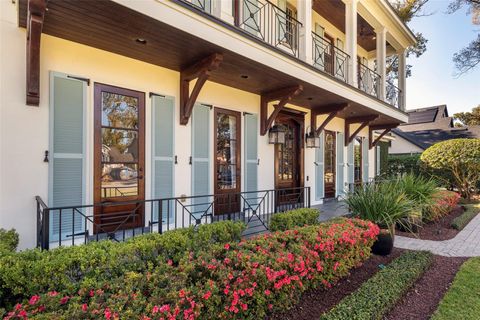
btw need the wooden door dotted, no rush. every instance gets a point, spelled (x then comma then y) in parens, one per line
(329, 54)
(330, 164)
(357, 160)
(119, 158)
(227, 144)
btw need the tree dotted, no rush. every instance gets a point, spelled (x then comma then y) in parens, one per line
(469, 118)
(458, 159)
(469, 57)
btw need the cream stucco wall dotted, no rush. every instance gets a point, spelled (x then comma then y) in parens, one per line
(25, 130)
(401, 146)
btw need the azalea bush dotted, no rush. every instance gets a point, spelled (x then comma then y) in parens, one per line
(443, 203)
(237, 280)
(294, 218)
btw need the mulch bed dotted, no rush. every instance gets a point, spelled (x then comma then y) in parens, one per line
(439, 230)
(318, 301)
(423, 298)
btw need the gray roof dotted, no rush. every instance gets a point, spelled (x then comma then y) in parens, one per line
(428, 118)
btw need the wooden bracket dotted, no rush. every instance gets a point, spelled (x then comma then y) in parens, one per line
(386, 129)
(284, 95)
(331, 110)
(35, 15)
(201, 71)
(364, 121)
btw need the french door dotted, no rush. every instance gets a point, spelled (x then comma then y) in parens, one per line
(357, 160)
(227, 144)
(330, 164)
(119, 158)
(329, 55)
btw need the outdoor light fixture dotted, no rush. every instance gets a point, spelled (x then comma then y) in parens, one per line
(276, 135)
(312, 140)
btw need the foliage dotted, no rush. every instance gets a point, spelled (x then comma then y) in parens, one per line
(238, 280)
(402, 164)
(461, 221)
(67, 269)
(8, 240)
(469, 118)
(380, 293)
(458, 157)
(462, 300)
(383, 203)
(418, 189)
(443, 203)
(294, 218)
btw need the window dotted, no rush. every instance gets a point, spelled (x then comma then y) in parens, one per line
(357, 160)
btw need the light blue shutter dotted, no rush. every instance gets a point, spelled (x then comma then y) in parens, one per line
(320, 169)
(251, 17)
(350, 166)
(365, 149)
(377, 160)
(67, 154)
(251, 157)
(200, 158)
(163, 120)
(340, 160)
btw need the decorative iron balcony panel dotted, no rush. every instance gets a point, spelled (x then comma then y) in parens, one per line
(368, 80)
(393, 94)
(329, 58)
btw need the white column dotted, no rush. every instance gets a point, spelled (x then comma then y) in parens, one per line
(351, 39)
(305, 38)
(402, 78)
(381, 34)
(223, 9)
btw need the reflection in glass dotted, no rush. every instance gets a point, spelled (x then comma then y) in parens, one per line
(119, 145)
(286, 154)
(357, 161)
(119, 180)
(226, 151)
(329, 157)
(119, 111)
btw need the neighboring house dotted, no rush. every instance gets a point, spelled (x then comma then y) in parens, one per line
(425, 127)
(108, 104)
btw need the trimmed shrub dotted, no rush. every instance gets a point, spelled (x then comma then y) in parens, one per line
(8, 240)
(461, 221)
(294, 218)
(460, 159)
(67, 269)
(403, 164)
(443, 203)
(244, 280)
(381, 292)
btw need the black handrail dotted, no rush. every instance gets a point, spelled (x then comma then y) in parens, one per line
(78, 224)
(368, 80)
(322, 49)
(393, 94)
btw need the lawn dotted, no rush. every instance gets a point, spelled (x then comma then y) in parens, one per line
(462, 300)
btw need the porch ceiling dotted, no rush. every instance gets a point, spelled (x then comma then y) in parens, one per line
(106, 25)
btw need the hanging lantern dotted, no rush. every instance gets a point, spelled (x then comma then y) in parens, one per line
(276, 135)
(312, 140)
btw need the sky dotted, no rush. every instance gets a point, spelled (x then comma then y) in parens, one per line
(433, 79)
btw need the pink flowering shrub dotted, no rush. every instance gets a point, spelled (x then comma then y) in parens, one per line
(241, 280)
(443, 203)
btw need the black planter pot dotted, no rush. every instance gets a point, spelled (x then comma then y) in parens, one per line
(384, 244)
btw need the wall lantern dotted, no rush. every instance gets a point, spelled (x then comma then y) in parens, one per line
(312, 140)
(276, 135)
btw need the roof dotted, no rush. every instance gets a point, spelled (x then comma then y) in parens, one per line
(429, 118)
(425, 138)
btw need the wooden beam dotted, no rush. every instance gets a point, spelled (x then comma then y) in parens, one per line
(386, 129)
(284, 95)
(35, 15)
(201, 71)
(374, 143)
(331, 110)
(364, 121)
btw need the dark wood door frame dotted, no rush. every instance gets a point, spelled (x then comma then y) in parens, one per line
(234, 202)
(97, 157)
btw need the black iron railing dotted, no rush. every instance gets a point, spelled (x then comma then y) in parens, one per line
(368, 80)
(204, 5)
(329, 58)
(72, 225)
(393, 95)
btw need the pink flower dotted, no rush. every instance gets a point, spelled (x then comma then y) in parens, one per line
(267, 292)
(64, 300)
(33, 300)
(53, 293)
(107, 314)
(155, 309)
(170, 262)
(207, 295)
(227, 246)
(84, 307)
(165, 308)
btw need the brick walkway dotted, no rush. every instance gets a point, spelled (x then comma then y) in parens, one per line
(465, 244)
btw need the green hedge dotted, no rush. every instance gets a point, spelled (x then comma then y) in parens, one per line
(8, 240)
(294, 218)
(66, 269)
(380, 293)
(461, 221)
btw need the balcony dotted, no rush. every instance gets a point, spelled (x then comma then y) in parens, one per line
(368, 80)
(393, 95)
(330, 59)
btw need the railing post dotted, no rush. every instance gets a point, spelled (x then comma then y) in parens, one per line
(402, 76)
(308, 197)
(46, 229)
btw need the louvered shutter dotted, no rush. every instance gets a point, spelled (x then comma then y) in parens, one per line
(251, 157)
(340, 160)
(67, 154)
(365, 164)
(163, 120)
(200, 159)
(320, 169)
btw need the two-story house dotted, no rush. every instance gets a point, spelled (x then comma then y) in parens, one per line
(221, 108)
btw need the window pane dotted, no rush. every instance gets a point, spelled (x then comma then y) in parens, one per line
(119, 180)
(119, 145)
(119, 111)
(226, 177)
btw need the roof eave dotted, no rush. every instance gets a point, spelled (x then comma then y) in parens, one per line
(402, 26)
